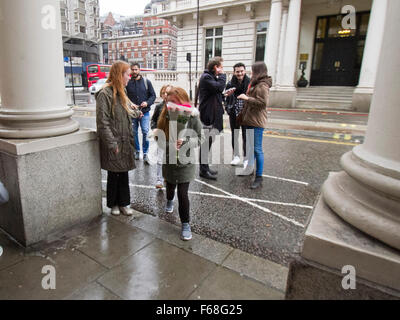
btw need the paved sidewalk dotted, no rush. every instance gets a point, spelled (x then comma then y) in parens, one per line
(137, 257)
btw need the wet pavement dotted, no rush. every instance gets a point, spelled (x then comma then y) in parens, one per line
(137, 257)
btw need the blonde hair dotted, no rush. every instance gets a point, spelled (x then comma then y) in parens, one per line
(182, 96)
(116, 81)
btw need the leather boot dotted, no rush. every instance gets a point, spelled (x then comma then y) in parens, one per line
(257, 183)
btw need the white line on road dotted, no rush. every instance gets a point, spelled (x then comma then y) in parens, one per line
(232, 196)
(252, 204)
(229, 197)
(284, 179)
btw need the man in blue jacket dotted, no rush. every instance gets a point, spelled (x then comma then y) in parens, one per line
(211, 85)
(140, 92)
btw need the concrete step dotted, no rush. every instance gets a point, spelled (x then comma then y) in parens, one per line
(324, 105)
(341, 98)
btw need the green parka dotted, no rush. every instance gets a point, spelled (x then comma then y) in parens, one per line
(178, 172)
(114, 130)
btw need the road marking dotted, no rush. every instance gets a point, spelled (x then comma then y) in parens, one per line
(284, 179)
(253, 204)
(245, 200)
(287, 204)
(311, 140)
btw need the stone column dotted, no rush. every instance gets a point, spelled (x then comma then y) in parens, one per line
(53, 175)
(286, 92)
(365, 196)
(271, 57)
(279, 73)
(32, 73)
(363, 93)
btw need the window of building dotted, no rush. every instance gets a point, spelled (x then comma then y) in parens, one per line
(155, 41)
(213, 45)
(262, 28)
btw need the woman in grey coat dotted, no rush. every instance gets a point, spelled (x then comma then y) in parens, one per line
(114, 111)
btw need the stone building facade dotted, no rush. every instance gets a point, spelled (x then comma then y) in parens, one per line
(336, 43)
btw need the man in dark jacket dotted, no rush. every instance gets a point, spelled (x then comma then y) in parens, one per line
(140, 92)
(211, 85)
(238, 85)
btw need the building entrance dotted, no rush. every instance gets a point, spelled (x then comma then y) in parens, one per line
(338, 52)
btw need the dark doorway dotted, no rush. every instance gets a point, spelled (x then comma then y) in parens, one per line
(338, 52)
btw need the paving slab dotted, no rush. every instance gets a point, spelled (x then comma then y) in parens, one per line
(224, 284)
(111, 242)
(265, 271)
(93, 291)
(159, 271)
(73, 270)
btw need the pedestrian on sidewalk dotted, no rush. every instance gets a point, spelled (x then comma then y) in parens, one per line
(154, 119)
(177, 172)
(141, 92)
(4, 196)
(235, 87)
(211, 85)
(254, 117)
(114, 128)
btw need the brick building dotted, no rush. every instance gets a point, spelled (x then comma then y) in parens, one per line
(153, 46)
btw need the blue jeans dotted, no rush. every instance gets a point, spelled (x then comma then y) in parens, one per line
(144, 125)
(256, 144)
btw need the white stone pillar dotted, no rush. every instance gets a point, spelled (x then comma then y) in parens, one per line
(271, 56)
(291, 44)
(32, 72)
(363, 92)
(279, 72)
(367, 194)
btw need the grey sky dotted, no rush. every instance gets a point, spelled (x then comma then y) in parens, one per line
(123, 7)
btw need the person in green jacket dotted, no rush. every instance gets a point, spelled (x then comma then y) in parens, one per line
(182, 133)
(114, 111)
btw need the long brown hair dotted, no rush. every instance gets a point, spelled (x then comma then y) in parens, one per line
(182, 96)
(116, 82)
(258, 70)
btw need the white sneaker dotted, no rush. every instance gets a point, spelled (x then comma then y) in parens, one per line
(115, 211)
(235, 161)
(247, 169)
(127, 211)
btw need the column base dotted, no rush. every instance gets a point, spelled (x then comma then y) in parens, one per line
(367, 197)
(38, 124)
(53, 183)
(362, 98)
(282, 97)
(330, 244)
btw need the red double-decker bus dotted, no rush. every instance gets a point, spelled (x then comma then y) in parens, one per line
(96, 72)
(99, 71)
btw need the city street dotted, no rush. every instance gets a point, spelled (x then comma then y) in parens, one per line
(269, 222)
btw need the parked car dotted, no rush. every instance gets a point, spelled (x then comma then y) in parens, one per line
(97, 86)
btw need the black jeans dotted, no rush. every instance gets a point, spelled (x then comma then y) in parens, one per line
(118, 189)
(183, 199)
(235, 135)
(204, 151)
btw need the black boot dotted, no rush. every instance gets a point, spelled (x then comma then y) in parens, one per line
(213, 172)
(257, 183)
